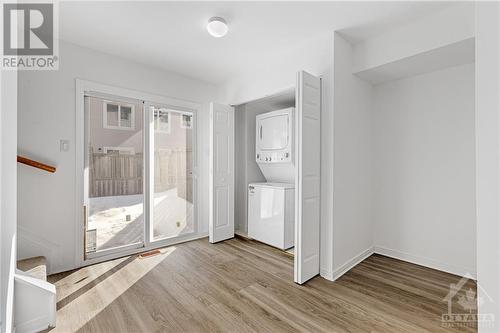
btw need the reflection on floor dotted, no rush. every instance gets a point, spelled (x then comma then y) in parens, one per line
(245, 286)
(119, 219)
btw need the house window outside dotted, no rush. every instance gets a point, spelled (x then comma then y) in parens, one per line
(186, 121)
(161, 121)
(118, 116)
(119, 150)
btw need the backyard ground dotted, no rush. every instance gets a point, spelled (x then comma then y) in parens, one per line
(119, 220)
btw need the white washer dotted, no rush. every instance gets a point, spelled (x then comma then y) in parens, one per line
(271, 213)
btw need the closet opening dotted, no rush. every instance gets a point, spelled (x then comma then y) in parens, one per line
(265, 172)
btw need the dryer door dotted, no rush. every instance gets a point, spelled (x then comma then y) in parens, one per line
(273, 132)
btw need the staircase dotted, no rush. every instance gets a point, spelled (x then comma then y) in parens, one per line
(35, 298)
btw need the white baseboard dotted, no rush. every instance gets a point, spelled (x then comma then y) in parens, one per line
(33, 325)
(350, 264)
(423, 261)
(326, 274)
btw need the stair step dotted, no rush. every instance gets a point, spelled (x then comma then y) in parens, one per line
(35, 267)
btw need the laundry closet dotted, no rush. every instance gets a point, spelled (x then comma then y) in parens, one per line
(265, 170)
(265, 162)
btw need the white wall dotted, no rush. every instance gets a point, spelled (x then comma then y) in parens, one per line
(247, 170)
(424, 184)
(352, 219)
(47, 114)
(278, 71)
(447, 26)
(8, 199)
(488, 160)
(240, 153)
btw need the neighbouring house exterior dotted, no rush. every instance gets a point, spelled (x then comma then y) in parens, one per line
(115, 134)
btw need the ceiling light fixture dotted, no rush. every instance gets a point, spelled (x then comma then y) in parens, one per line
(217, 27)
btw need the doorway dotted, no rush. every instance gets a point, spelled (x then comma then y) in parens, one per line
(301, 161)
(114, 157)
(138, 183)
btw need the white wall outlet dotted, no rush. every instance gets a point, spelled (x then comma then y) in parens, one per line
(64, 145)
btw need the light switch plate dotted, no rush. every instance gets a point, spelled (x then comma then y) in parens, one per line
(64, 145)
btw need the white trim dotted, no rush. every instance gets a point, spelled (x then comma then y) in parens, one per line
(156, 245)
(10, 297)
(426, 262)
(399, 255)
(92, 86)
(349, 264)
(278, 92)
(43, 314)
(37, 324)
(326, 274)
(79, 170)
(119, 115)
(149, 128)
(83, 86)
(117, 250)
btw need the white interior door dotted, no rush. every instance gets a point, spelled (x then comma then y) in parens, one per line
(307, 177)
(221, 180)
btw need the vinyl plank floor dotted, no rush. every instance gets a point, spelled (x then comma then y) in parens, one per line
(244, 286)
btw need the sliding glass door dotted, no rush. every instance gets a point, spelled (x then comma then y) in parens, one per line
(138, 175)
(171, 172)
(114, 159)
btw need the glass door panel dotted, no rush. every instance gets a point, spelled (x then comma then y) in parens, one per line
(172, 172)
(114, 161)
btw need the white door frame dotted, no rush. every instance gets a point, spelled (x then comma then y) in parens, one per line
(83, 86)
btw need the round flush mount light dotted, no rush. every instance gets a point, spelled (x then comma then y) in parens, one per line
(217, 27)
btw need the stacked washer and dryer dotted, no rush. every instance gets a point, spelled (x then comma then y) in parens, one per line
(271, 204)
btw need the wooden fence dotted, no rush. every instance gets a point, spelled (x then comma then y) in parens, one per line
(114, 174)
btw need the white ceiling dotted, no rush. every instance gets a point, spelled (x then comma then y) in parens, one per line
(172, 35)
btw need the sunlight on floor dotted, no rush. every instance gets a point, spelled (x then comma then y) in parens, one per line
(87, 294)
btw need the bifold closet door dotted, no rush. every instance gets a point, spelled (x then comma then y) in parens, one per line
(307, 177)
(221, 179)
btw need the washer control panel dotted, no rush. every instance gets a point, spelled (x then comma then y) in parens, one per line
(273, 157)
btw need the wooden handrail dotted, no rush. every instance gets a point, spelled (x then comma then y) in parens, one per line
(35, 164)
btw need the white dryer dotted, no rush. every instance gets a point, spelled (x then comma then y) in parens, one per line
(274, 145)
(271, 213)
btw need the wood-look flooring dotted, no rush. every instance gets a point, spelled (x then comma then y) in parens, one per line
(244, 286)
